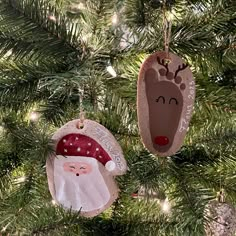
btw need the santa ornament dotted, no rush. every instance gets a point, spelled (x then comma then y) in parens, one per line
(165, 99)
(80, 173)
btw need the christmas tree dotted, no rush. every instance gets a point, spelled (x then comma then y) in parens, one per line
(58, 57)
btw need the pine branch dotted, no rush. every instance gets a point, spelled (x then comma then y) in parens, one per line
(48, 17)
(25, 38)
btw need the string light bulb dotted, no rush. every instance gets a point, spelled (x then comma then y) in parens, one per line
(21, 179)
(85, 37)
(34, 116)
(54, 202)
(52, 18)
(123, 44)
(81, 6)
(5, 228)
(165, 206)
(114, 19)
(111, 70)
(171, 15)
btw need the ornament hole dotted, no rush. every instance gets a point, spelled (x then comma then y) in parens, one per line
(80, 125)
(167, 60)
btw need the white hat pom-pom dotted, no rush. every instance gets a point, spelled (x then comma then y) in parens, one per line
(110, 165)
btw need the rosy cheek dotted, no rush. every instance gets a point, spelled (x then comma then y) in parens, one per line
(84, 172)
(66, 168)
(89, 169)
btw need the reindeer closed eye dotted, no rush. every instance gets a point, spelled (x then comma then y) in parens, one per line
(161, 98)
(173, 100)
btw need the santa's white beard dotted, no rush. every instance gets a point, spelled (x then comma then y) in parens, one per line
(87, 192)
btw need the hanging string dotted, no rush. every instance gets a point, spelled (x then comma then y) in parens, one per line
(167, 30)
(81, 109)
(221, 196)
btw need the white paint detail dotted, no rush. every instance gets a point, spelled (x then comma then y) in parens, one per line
(110, 165)
(105, 140)
(87, 192)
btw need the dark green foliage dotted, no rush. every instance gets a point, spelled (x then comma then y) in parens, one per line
(52, 50)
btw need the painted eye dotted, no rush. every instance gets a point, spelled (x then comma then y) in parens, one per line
(161, 98)
(173, 100)
(82, 168)
(72, 167)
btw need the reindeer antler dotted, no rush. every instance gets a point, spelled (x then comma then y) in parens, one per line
(181, 68)
(163, 63)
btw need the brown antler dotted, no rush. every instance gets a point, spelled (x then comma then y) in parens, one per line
(180, 68)
(163, 63)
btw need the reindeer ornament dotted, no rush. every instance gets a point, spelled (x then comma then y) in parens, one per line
(165, 98)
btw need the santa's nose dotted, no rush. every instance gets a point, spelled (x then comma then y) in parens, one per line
(161, 140)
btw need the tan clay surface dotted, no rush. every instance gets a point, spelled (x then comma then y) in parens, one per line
(165, 99)
(108, 142)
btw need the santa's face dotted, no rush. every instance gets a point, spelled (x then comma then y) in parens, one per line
(79, 183)
(79, 168)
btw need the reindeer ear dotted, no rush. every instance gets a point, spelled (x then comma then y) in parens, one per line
(151, 76)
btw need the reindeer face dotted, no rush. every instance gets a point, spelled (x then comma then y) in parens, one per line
(165, 103)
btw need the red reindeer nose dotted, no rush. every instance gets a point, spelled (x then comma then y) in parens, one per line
(161, 140)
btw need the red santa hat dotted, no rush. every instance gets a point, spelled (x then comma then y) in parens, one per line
(76, 144)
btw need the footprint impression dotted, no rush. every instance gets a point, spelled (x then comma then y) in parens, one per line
(166, 92)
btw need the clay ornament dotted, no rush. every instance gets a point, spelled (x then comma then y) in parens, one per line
(80, 172)
(165, 100)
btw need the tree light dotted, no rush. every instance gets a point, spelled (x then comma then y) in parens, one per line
(114, 19)
(52, 18)
(165, 206)
(85, 37)
(34, 116)
(5, 228)
(54, 202)
(21, 179)
(123, 44)
(81, 6)
(111, 71)
(171, 16)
